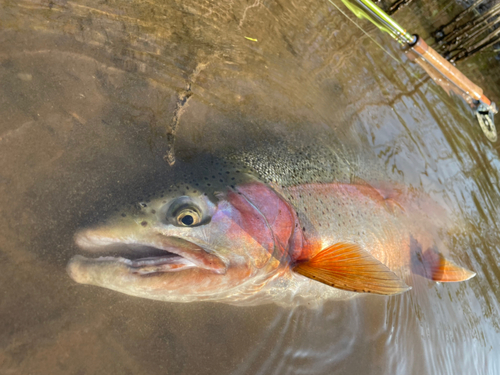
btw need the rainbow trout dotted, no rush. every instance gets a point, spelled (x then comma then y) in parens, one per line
(225, 233)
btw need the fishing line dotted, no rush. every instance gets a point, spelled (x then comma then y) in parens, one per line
(364, 32)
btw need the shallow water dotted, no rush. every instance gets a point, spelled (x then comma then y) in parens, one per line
(87, 91)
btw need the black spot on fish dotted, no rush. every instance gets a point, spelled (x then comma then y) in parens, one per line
(144, 223)
(123, 215)
(153, 211)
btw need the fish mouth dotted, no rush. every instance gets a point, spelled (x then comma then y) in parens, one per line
(139, 255)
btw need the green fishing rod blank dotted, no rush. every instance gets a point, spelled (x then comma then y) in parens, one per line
(418, 51)
(400, 33)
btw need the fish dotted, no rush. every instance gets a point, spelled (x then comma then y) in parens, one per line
(236, 232)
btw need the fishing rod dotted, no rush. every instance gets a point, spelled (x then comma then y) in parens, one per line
(432, 62)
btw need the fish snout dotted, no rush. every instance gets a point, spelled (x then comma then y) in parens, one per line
(87, 239)
(101, 236)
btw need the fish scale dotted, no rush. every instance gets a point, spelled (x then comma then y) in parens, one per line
(330, 213)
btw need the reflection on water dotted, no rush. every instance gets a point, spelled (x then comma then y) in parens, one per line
(89, 91)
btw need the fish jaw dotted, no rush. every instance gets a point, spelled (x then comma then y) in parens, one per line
(186, 271)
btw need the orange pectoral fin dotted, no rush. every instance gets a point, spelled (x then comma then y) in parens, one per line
(347, 266)
(434, 266)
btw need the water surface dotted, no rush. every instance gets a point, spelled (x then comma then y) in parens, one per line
(89, 91)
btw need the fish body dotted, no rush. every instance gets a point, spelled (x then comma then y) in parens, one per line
(244, 241)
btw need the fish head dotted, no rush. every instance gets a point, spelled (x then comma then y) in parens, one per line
(193, 244)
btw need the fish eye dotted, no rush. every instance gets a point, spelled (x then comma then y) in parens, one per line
(188, 217)
(185, 211)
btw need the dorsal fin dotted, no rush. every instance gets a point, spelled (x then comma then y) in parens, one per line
(347, 266)
(434, 266)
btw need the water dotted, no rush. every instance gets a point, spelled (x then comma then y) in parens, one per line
(87, 91)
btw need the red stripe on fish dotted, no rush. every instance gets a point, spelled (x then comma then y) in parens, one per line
(268, 218)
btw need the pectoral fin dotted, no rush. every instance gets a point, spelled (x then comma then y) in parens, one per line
(347, 266)
(434, 266)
